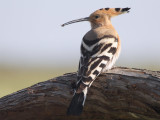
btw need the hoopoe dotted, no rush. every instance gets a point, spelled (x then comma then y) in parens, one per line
(100, 49)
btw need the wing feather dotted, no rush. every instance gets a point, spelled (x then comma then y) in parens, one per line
(94, 60)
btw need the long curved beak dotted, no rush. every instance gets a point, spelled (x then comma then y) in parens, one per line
(74, 21)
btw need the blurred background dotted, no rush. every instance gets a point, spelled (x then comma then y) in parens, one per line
(34, 47)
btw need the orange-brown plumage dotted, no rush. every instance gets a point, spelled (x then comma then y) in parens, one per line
(100, 49)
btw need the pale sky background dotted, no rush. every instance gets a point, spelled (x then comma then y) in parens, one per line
(31, 35)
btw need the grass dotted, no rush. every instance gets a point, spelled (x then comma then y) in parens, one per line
(13, 79)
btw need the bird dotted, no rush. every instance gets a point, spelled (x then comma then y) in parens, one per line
(100, 48)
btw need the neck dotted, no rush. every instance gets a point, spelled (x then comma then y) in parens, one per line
(94, 26)
(106, 24)
(100, 31)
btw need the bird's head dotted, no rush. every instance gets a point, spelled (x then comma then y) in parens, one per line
(101, 17)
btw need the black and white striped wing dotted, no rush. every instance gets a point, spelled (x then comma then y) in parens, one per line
(95, 56)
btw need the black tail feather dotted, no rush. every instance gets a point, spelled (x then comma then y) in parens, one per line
(76, 105)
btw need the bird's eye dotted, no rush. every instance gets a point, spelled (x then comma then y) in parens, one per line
(97, 16)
